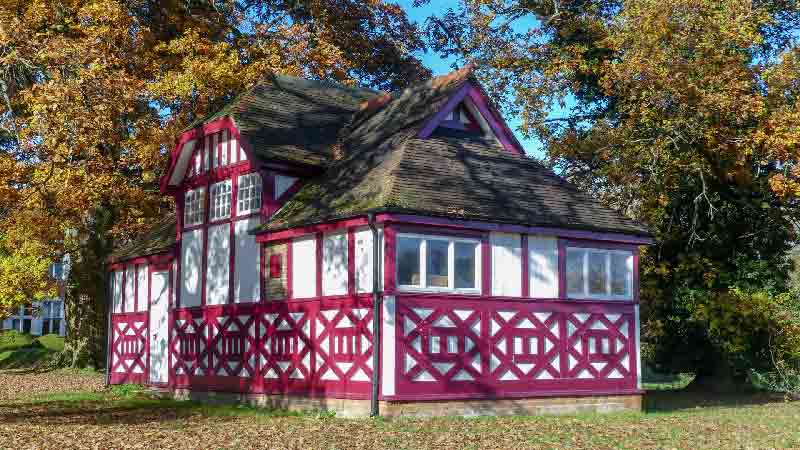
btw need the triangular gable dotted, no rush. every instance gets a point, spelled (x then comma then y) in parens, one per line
(473, 101)
(211, 145)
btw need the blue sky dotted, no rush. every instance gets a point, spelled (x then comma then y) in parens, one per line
(441, 65)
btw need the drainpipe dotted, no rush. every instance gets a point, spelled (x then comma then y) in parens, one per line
(376, 309)
(109, 308)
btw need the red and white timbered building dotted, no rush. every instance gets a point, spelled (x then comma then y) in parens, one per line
(341, 248)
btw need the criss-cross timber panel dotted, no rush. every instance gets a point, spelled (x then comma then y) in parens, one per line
(440, 345)
(524, 345)
(599, 346)
(129, 347)
(284, 352)
(232, 345)
(448, 347)
(343, 348)
(188, 345)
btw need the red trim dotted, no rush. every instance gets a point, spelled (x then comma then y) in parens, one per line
(156, 258)
(318, 262)
(562, 269)
(526, 279)
(268, 204)
(267, 236)
(490, 115)
(122, 292)
(149, 325)
(289, 252)
(508, 228)
(570, 393)
(219, 174)
(232, 241)
(439, 231)
(204, 262)
(389, 250)
(290, 192)
(486, 266)
(351, 261)
(599, 245)
(136, 288)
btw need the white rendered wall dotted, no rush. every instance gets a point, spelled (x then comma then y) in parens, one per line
(304, 267)
(334, 264)
(116, 290)
(543, 269)
(141, 279)
(363, 259)
(218, 269)
(248, 263)
(506, 264)
(191, 265)
(130, 280)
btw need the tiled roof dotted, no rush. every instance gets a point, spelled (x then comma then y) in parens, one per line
(453, 176)
(160, 238)
(292, 119)
(384, 166)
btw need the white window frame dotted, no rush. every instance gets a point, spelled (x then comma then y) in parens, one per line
(451, 262)
(217, 191)
(607, 253)
(253, 187)
(194, 207)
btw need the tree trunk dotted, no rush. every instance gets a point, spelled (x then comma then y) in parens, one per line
(85, 302)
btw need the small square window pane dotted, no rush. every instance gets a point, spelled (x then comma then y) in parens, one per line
(408, 273)
(437, 263)
(575, 271)
(597, 273)
(620, 274)
(465, 265)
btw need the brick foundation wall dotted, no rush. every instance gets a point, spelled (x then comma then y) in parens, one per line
(361, 408)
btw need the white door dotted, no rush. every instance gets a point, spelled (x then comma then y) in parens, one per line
(159, 309)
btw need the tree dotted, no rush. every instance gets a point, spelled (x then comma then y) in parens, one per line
(681, 114)
(94, 94)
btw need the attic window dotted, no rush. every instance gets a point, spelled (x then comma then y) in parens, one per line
(461, 119)
(221, 200)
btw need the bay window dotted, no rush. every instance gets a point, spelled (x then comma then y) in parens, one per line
(436, 263)
(598, 273)
(194, 207)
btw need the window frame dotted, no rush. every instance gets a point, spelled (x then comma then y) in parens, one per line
(423, 264)
(199, 192)
(257, 189)
(607, 252)
(212, 207)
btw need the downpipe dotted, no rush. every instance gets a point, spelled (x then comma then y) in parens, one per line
(376, 309)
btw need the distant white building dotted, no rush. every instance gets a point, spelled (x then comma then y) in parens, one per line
(44, 317)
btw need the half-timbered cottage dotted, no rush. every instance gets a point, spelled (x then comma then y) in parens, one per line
(396, 253)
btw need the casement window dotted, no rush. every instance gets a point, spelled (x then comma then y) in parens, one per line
(194, 207)
(248, 194)
(433, 263)
(220, 200)
(597, 273)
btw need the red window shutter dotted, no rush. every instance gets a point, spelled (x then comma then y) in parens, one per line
(275, 268)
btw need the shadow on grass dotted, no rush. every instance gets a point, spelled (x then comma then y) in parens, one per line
(104, 408)
(676, 400)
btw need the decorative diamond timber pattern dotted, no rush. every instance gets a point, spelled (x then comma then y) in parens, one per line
(129, 347)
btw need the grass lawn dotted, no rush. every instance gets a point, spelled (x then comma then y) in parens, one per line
(23, 351)
(126, 417)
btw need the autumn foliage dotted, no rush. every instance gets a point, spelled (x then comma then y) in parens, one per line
(94, 93)
(682, 114)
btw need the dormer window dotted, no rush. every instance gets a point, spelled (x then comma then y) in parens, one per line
(461, 119)
(194, 207)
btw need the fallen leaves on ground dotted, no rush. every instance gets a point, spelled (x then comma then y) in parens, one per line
(110, 420)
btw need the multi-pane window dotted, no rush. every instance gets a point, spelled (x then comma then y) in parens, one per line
(438, 263)
(220, 207)
(194, 207)
(595, 273)
(248, 194)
